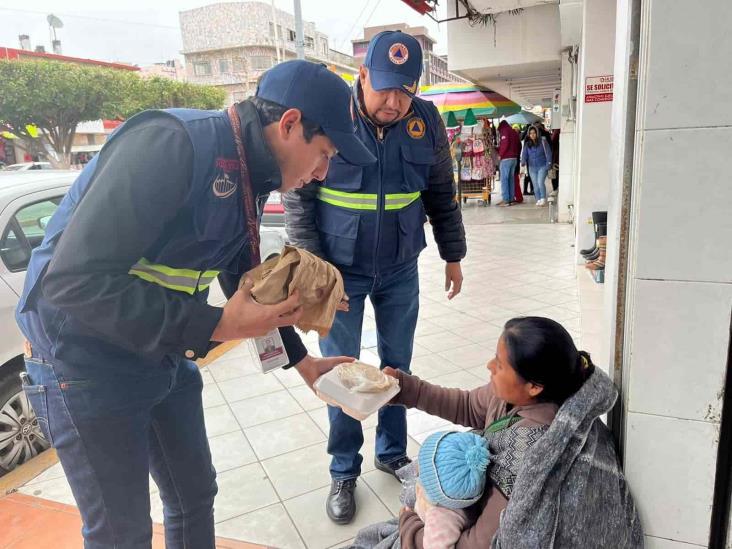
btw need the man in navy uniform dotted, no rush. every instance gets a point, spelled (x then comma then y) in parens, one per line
(369, 222)
(114, 306)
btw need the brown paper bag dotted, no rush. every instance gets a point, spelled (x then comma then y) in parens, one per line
(320, 285)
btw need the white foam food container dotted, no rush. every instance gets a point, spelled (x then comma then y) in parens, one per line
(359, 406)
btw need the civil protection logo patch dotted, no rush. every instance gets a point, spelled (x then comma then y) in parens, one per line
(398, 53)
(415, 127)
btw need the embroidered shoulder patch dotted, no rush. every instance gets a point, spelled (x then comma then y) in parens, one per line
(416, 127)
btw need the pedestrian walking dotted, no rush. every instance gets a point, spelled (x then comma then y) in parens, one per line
(537, 157)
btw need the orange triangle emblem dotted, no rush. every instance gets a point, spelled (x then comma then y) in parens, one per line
(415, 127)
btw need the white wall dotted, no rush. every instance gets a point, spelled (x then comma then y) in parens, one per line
(525, 39)
(567, 143)
(571, 36)
(680, 277)
(593, 128)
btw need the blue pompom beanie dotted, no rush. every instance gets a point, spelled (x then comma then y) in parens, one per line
(452, 468)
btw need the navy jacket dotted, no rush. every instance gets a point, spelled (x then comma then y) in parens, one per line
(122, 274)
(411, 181)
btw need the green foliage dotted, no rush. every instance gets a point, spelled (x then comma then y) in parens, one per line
(55, 97)
(163, 93)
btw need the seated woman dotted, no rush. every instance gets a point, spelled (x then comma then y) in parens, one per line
(553, 479)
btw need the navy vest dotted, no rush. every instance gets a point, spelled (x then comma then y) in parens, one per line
(371, 241)
(208, 234)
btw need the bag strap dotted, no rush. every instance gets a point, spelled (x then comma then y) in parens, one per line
(502, 423)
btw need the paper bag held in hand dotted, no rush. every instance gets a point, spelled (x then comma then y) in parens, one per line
(319, 283)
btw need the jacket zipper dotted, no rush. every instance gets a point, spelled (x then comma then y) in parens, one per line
(380, 197)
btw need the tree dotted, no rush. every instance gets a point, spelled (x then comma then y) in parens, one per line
(54, 97)
(42, 102)
(164, 93)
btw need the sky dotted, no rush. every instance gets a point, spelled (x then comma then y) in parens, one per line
(133, 32)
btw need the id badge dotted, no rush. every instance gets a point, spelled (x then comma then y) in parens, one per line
(269, 351)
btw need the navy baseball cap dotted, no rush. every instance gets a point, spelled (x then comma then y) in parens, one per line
(322, 97)
(394, 61)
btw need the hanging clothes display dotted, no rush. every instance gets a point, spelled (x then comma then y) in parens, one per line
(478, 173)
(466, 173)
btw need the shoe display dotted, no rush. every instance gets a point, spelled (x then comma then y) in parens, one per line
(341, 503)
(392, 467)
(594, 255)
(600, 231)
(599, 261)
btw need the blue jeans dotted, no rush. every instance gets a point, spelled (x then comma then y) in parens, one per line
(538, 178)
(508, 169)
(395, 298)
(111, 430)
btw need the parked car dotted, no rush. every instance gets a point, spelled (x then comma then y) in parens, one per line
(25, 166)
(27, 201)
(274, 211)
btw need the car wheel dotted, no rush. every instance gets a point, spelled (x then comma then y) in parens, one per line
(20, 435)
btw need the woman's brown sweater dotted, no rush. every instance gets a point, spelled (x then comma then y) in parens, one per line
(476, 409)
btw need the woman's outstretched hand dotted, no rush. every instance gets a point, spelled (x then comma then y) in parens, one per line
(388, 370)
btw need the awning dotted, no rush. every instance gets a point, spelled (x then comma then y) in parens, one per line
(86, 148)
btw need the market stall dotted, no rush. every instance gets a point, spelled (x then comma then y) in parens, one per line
(471, 141)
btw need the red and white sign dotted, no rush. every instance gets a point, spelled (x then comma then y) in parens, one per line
(598, 89)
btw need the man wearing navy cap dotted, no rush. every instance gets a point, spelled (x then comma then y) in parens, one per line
(114, 306)
(369, 221)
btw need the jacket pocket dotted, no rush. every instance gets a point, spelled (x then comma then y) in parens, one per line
(338, 233)
(343, 176)
(411, 231)
(416, 167)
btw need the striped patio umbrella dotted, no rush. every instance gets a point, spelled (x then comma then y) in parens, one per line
(458, 98)
(524, 117)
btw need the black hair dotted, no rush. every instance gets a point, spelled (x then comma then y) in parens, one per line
(270, 113)
(542, 352)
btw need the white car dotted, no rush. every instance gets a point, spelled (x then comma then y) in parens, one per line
(25, 166)
(27, 201)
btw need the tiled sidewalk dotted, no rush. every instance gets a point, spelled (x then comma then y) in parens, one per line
(268, 432)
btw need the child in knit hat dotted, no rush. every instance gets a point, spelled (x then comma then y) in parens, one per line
(452, 476)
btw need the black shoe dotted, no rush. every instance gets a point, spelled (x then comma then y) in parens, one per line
(392, 467)
(591, 251)
(592, 256)
(341, 503)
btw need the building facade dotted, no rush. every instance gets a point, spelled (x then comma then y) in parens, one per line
(230, 45)
(435, 67)
(172, 69)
